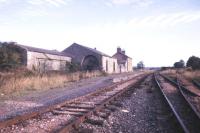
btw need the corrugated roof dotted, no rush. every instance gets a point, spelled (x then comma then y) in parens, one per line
(93, 50)
(40, 50)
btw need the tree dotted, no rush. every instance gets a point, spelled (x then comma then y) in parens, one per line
(180, 64)
(193, 62)
(140, 65)
(10, 55)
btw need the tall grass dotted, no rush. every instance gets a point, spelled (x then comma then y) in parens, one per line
(20, 80)
(187, 73)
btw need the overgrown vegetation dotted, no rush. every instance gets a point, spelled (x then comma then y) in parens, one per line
(194, 63)
(179, 64)
(140, 65)
(72, 67)
(10, 55)
(21, 79)
(186, 72)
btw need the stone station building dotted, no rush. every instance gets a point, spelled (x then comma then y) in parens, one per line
(91, 59)
(124, 62)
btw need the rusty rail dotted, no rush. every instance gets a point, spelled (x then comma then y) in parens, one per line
(171, 106)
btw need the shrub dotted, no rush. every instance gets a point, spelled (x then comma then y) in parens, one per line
(72, 67)
(10, 56)
(140, 65)
(194, 62)
(180, 64)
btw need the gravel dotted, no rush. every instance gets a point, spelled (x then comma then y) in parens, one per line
(142, 110)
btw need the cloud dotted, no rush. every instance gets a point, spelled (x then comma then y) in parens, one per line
(166, 20)
(56, 3)
(2, 1)
(138, 3)
(34, 13)
(39, 8)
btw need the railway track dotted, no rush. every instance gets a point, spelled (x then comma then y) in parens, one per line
(178, 100)
(66, 116)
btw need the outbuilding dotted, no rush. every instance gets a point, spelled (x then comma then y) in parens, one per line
(43, 60)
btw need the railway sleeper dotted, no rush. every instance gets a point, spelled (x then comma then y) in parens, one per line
(111, 108)
(57, 112)
(73, 110)
(79, 107)
(104, 115)
(85, 130)
(95, 122)
(117, 104)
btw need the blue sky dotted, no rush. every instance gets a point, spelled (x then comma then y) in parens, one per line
(159, 32)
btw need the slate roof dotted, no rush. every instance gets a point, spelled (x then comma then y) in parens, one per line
(124, 55)
(40, 50)
(93, 50)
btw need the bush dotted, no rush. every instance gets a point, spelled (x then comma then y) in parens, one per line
(10, 56)
(194, 62)
(180, 64)
(72, 67)
(140, 65)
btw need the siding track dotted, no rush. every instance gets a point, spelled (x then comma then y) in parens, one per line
(184, 111)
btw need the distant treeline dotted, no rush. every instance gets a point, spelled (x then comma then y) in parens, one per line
(193, 62)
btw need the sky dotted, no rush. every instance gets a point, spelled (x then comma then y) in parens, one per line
(157, 32)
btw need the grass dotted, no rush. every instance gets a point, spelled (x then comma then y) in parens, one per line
(187, 73)
(24, 80)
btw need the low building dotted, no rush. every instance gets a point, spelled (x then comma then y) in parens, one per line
(42, 59)
(124, 62)
(91, 59)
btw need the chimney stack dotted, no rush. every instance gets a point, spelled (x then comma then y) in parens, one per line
(119, 50)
